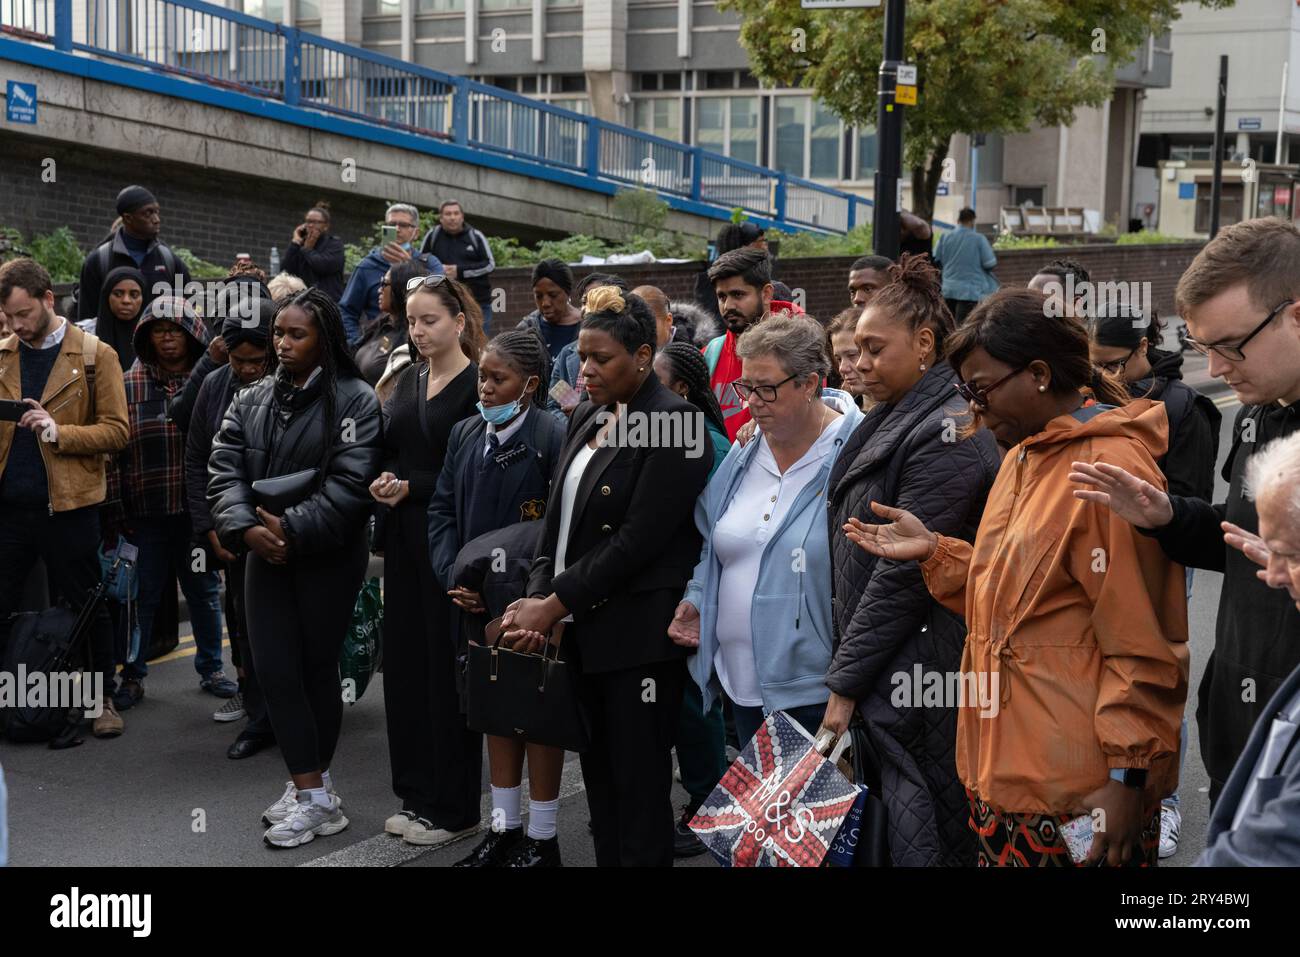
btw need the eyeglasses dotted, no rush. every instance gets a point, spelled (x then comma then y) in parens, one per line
(765, 392)
(980, 396)
(401, 225)
(1116, 367)
(1236, 353)
(432, 282)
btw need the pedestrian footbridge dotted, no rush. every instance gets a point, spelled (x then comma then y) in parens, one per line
(199, 84)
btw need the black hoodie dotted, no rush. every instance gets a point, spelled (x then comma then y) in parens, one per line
(115, 333)
(1194, 422)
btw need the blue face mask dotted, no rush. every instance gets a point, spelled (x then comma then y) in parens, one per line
(499, 414)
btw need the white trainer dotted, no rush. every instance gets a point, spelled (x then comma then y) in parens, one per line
(281, 809)
(307, 821)
(1171, 821)
(422, 832)
(399, 822)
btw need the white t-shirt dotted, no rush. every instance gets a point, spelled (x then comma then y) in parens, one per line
(760, 504)
(568, 493)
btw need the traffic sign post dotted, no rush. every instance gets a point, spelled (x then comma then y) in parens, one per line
(889, 126)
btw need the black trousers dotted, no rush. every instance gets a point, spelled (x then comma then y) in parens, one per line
(437, 761)
(68, 543)
(298, 616)
(241, 653)
(628, 769)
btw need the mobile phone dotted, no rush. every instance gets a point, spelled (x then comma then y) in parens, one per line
(11, 411)
(1077, 835)
(565, 395)
(389, 235)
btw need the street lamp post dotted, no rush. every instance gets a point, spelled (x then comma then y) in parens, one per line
(889, 124)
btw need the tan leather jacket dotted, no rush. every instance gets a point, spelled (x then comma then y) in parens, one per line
(74, 465)
(1081, 619)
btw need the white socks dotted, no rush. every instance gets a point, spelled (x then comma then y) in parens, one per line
(505, 808)
(328, 783)
(319, 796)
(541, 819)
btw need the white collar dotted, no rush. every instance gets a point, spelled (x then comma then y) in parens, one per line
(54, 338)
(506, 434)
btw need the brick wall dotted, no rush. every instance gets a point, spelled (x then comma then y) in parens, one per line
(825, 280)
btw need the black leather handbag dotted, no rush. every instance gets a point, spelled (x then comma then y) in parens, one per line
(528, 697)
(873, 832)
(285, 491)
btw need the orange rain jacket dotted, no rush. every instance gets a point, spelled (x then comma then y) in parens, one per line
(1082, 620)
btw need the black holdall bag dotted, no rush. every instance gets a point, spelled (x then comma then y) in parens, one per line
(285, 491)
(873, 834)
(527, 697)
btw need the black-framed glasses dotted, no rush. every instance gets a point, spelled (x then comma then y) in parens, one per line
(1117, 366)
(765, 392)
(432, 282)
(980, 396)
(1236, 353)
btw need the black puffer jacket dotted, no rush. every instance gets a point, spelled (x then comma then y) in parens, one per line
(263, 435)
(908, 456)
(1194, 424)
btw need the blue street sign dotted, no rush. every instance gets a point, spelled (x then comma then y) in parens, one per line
(1186, 190)
(21, 98)
(1246, 123)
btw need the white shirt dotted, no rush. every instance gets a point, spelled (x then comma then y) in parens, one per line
(761, 502)
(54, 338)
(568, 494)
(506, 434)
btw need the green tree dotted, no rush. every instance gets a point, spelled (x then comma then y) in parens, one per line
(985, 66)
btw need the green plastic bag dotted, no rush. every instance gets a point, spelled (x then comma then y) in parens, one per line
(363, 648)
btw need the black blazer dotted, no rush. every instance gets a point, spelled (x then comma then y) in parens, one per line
(632, 539)
(523, 496)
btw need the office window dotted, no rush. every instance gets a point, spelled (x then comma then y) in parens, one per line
(528, 84)
(991, 159)
(266, 9)
(825, 146)
(720, 80)
(569, 83)
(791, 133)
(711, 124)
(1230, 204)
(868, 155)
(747, 80)
(744, 129)
(306, 10)
(662, 117)
(505, 4)
(439, 6)
(582, 105)
(371, 8)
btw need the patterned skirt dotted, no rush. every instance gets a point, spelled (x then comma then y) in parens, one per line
(1034, 840)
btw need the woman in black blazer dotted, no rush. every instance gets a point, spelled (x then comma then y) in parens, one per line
(498, 473)
(619, 546)
(436, 760)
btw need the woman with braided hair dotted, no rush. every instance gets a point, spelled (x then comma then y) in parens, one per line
(315, 426)
(497, 473)
(617, 548)
(436, 761)
(682, 369)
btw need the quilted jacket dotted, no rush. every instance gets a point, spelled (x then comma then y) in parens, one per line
(908, 455)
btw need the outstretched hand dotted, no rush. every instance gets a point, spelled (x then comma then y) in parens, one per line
(905, 538)
(1131, 498)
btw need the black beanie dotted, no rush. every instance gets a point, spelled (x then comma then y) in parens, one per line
(132, 198)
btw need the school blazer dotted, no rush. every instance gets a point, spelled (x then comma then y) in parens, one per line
(632, 538)
(523, 495)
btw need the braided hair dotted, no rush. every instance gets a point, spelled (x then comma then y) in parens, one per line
(686, 364)
(335, 361)
(525, 352)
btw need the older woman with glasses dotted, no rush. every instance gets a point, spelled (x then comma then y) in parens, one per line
(436, 760)
(757, 611)
(1077, 624)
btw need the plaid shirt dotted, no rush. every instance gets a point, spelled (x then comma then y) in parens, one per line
(147, 479)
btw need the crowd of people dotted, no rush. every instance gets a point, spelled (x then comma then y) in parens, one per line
(1007, 485)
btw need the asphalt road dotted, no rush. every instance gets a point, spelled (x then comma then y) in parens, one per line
(165, 794)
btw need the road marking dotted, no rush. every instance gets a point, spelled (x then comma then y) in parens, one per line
(185, 652)
(1227, 401)
(388, 850)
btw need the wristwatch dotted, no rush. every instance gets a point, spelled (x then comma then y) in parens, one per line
(1130, 777)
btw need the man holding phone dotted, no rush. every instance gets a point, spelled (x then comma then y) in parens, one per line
(314, 255)
(360, 300)
(52, 476)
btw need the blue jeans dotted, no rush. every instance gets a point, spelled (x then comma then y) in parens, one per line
(748, 720)
(168, 541)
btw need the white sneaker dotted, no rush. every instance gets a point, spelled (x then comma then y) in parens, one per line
(422, 832)
(281, 809)
(1171, 819)
(307, 821)
(399, 822)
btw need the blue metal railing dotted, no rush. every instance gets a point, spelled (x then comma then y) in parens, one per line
(225, 48)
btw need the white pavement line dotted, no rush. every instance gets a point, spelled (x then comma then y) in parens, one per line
(388, 850)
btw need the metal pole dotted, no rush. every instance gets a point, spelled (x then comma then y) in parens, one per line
(974, 171)
(889, 125)
(1281, 116)
(1216, 190)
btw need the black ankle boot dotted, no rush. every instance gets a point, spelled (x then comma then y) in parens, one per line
(532, 852)
(493, 849)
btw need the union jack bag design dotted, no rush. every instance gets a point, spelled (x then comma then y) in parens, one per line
(779, 805)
